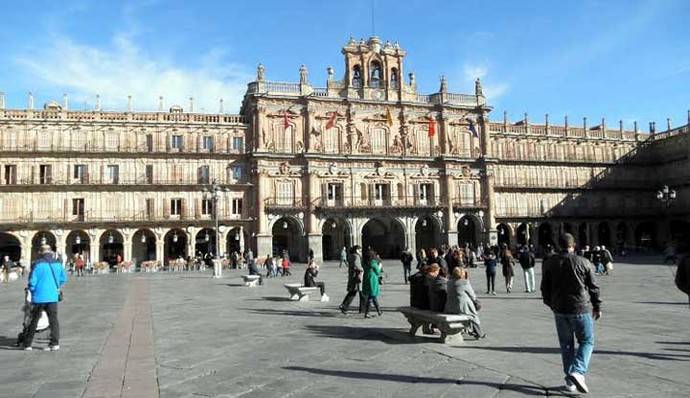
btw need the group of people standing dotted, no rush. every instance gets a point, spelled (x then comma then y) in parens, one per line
(364, 279)
(493, 256)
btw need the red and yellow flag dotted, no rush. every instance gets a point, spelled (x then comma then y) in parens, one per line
(432, 127)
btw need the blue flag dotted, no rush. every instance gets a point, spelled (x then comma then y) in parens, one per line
(473, 130)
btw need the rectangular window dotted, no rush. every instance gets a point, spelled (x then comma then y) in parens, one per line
(80, 173)
(236, 173)
(113, 174)
(78, 207)
(467, 195)
(206, 207)
(150, 209)
(381, 194)
(425, 191)
(237, 206)
(45, 174)
(10, 174)
(203, 175)
(238, 144)
(207, 143)
(149, 174)
(149, 143)
(334, 194)
(284, 193)
(175, 207)
(176, 142)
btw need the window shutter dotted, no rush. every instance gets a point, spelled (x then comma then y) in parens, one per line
(166, 208)
(86, 174)
(66, 209)
(197, 208)
(183, 208)
(33, 177)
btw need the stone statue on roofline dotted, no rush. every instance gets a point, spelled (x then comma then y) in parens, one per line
(260, 73)
(303, 75)
(478, 88)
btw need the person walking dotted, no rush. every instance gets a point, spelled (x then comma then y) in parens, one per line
(354, 280)
(682, 278)
(507, 263)
(45, 282)
(462, 300)
(490, 264)
(406, 259)
(370, 284)
(286, 263)
(527, 262)
(569, 288)
(79, 265)
(343, 257)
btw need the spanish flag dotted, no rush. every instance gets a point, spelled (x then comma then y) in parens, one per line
(432, 127)
(331, 120)
(389, 118)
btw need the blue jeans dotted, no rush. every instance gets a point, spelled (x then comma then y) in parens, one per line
(600, 268)
(580, 326)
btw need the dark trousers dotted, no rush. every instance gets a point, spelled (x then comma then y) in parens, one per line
(374, 300)
(51, 310)
(321, 286)
(406, 272)
(351, 296)
(490, 281)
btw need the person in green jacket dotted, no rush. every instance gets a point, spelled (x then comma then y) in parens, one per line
(370, 284)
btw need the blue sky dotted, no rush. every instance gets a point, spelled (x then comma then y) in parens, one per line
(625, 60)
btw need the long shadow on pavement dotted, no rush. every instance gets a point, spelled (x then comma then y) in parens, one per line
(311, 314)
(555, 350)
(384, 335)
(525, 389)
(662, 302)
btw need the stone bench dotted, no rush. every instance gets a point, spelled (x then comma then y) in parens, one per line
(251, 280)
(301, 293)
(451, 325)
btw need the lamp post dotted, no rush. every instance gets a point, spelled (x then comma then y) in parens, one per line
(214, 192)
(666, 195)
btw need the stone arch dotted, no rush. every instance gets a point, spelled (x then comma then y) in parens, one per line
(504, 233)
(545, 233)
(522, 234)
(428, 233)
(582, 235)
(205, 242)
(10, 246)
(469, 230)
(78, 242)
(236, 241)
(175, 245)
(335, 234)
(604, 234)
(42, 238)
(288, 234)
(645, 235)
(111, 244)
(143, 245)
(385, 235)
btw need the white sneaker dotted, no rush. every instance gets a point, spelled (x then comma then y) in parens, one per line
(569, 386)
(579, 381)
(28, 349)
(52, 348)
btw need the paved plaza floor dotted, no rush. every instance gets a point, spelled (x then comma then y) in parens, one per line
(188, 335)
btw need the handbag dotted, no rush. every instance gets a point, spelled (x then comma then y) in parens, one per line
(60, 295)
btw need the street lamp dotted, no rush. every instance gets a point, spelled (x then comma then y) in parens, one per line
(213, 192)
(666, 195)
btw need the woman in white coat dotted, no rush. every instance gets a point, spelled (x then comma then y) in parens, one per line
(462, 300)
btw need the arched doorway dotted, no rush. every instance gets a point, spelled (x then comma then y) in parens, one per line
(288, 235)
(645, 235)
(335, 235)
(205, 243)
(468, 232)
(237, 240)
(112, 246)
(143, 246)
(10, 246)
(385, 235)
(569, 228)
(621, 235)
(78, 242)
(175, 245)
(604, 234)
(523, 234)
(503, 232)
(427, 233)
(582, 235)
(39, 239)
(546, 235)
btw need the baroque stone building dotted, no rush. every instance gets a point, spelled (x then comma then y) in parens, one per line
(365, 160)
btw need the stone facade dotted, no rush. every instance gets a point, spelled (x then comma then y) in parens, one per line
(366, 160)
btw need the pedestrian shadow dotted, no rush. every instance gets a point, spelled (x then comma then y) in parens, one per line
(273, 298)
(674, 342)
(8, 343)
(525, 389)
(310, 314)
(663, 302)
(509, 297)
(554, 350)
(234, 284)
(384, 335)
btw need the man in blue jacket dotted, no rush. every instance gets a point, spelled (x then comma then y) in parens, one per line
(46, 279)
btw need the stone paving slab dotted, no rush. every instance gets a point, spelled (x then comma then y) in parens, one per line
(216, 338)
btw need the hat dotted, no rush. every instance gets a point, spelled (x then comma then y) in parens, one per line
(45, 249)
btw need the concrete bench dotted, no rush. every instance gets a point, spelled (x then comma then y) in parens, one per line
(451, 325)
(251, 280)
(301, 293)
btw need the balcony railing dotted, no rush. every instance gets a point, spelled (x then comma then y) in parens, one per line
(116, 216)
(86, 181)
(368, 202)
(93, 148)
(157, 117)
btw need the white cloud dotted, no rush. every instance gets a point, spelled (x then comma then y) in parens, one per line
(492, 89)
(124, 69)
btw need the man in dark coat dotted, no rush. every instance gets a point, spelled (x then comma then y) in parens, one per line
(435, 258)
(354, 280)
(568, 287)
(419, 289)
(683, 272)
(527, 262)
(406, 259)
(437, 288)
